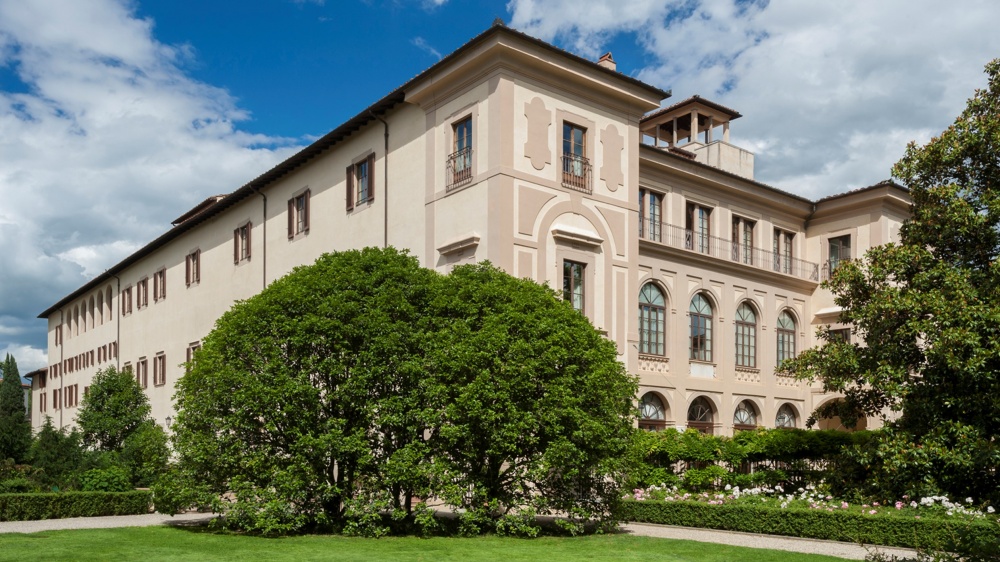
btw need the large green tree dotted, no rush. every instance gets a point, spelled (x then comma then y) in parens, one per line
(112, 410)
(15, 428)
(928, 312)
(356, 384)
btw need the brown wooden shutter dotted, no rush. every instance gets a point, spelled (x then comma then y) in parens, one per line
(249, 228)
(163, 283)
(236, 246)
(350, 187)
(308, 195)
(291, 218)
(187, 270)
(371, 177)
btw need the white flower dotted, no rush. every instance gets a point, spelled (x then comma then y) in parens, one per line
(968, 500)
(728, 487)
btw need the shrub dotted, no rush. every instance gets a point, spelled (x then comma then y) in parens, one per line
(145, 454)
(29, 507)
(886, 530)
(111, 479)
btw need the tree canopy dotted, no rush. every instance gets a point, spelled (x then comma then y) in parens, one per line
(364, 382)
(928, 312)
(113, 409)
(15, 428)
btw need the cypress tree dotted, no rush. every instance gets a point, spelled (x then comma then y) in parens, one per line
(15, 428)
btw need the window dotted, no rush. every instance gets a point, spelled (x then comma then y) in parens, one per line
(782, 249)
(745, 416)
(699, 228)
(142, 293)
(700, 415)
(843, 335)
(298, 215)
(58, 335)
(743, 240)
(361, 182)
(142, 372)
(159, 369)
(746, 336)
(785, 417)
(460, 161)
(241, 243)
(576, 166)
(192, 268)
(650, 213)
(192, 348)
(700, 313)
(652, 320)
(126, 299)
(160, 285)
(652, 414)
(42, 398)
(56, 395)
(573, 283)
(840, 251)
(786, 336)
(41, 377)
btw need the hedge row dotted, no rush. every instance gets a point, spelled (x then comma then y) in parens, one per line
(29, 507)
(884, 530)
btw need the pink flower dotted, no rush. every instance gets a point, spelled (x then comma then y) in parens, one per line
(916, 517)
(875, 504)
(843, 505)
(872, 512)
(899, 505)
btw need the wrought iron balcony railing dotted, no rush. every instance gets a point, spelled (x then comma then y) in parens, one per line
(576, 172)
(729, 250)
(459, 169)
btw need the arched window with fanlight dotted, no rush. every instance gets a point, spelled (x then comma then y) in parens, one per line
(700, 313)
(785, 417)
(746, 336)
(786, 336)
(652, 413)
(701, 415)
(745, 416)
(652, 320)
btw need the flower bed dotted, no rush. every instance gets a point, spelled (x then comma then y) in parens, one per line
(933, 522)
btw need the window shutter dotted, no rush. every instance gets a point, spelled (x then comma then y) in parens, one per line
(163, 284)
(371, 177)
(187, 270)
(291, 218)
(249, 228)
(308, 195)
(350, 187)
(236, 246)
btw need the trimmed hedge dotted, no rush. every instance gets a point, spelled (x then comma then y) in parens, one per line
(883, 530)
(29, 507)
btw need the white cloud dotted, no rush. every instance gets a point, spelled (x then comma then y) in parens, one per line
(107, 141)
(28, 358)
(831, 91)
(422, 44)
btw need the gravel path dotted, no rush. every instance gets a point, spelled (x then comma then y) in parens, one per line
(809, 546)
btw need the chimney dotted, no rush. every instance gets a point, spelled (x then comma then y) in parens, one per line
(607, 62)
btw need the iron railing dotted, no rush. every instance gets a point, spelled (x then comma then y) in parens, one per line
(576, 172)
(459, 168)
(679, 237)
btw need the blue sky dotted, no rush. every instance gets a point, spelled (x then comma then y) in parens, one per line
(116, 116)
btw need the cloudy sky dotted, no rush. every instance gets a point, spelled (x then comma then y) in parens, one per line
(116, 116)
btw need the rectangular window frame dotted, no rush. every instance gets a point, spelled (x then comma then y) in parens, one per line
(650, 215)
(142, 293)
(743, 239)
(142, 373)
(192, 268)
(698, 228)
(126, 300)
(242, 243)
(160, 369)
(460, 159)
(574, 283)
(576, 165)
(160, 284)
(841, 246)
(783, 249)
(298, 215)
(361, 182)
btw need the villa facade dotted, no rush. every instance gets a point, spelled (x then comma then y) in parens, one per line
(550, 166)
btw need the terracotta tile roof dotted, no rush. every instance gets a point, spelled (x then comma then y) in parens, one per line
(733, 114)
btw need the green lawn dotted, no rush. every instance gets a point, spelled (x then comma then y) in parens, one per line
(151, 544)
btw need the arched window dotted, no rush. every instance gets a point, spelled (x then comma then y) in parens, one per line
(92, 312)
(786, 336)
(652, 320)
(76, 320)
(107, 302)
(100, 307)
(652, 414)
(745, 416)
(700, 312)
(701, 415)
(785, 417)
(746, 336)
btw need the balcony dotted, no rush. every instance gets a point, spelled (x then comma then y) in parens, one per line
(576, 172)
(459, 169)
(758, 258)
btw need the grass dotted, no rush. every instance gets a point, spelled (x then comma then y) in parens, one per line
(151, 544)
